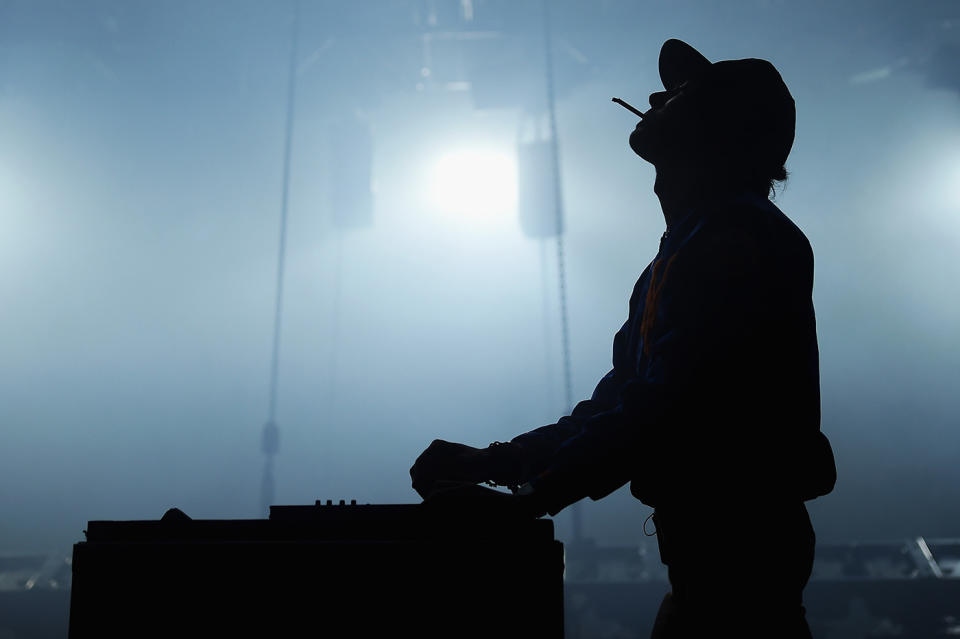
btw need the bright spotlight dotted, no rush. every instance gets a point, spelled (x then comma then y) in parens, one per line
(475, 182)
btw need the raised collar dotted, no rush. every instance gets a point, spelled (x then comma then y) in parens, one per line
(689, 223)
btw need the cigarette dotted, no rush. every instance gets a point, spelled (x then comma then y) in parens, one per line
(627, 107)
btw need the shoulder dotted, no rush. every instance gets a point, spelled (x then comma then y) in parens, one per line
(754, 231)
(746, 245)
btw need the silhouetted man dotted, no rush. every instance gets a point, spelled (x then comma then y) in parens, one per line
(712, 409)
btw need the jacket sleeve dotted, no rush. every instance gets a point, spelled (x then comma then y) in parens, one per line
(541, 444)
(600, 455)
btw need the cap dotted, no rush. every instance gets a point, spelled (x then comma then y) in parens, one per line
(748, 93)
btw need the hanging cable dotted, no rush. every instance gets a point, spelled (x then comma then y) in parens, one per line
(270, 441)
(558, 200)
(561, 261)
(335, 317)
(547, 328)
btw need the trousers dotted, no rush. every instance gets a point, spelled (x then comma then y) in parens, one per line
(742, 617)
(747, 585)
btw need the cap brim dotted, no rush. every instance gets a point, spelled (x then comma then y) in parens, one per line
(679, 62)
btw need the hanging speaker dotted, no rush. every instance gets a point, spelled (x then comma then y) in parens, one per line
(350, 172)
(537, 190)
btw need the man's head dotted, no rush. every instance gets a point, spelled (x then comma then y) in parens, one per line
(733, 120)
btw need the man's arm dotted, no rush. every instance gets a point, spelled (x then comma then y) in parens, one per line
(527, 455)
(508, 464)
(537, 447)
(728, 393)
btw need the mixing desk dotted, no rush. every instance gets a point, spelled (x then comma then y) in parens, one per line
(326, 570)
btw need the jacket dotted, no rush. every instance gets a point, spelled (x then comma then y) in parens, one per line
(714, 391)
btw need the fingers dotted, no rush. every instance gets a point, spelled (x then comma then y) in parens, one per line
(444, 460)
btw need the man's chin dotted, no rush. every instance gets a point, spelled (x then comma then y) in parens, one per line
(641, 145)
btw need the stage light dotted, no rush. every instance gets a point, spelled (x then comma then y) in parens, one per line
(477, 183)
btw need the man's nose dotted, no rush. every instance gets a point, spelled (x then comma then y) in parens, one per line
(658, 99)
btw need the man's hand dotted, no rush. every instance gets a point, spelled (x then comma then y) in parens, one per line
(448, 461)
(445, 461)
